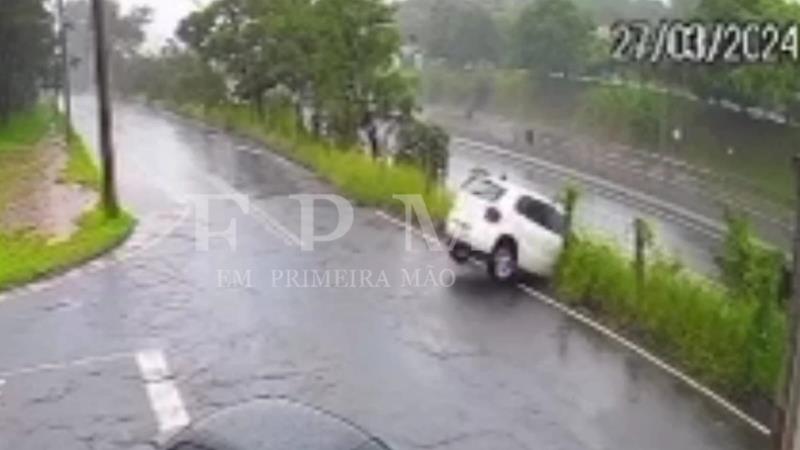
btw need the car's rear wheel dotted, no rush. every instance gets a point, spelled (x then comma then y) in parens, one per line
(502, 265)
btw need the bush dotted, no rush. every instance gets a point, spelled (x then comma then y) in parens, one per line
(751, 270)
(24, 129)
(426, 147)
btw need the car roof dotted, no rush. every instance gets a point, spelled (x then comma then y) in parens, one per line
(514, 190)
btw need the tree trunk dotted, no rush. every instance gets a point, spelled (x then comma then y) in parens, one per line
(259, 104)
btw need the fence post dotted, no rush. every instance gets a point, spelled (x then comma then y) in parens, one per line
(571, 196)
(642, 237)
(427, 163)
(530, 138)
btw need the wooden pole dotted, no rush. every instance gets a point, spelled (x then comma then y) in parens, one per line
(65, 77)
(105, 113)
(641, 232)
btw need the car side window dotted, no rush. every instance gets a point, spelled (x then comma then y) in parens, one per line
(541, 214)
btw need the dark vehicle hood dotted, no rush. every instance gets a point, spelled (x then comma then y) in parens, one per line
(274, 425)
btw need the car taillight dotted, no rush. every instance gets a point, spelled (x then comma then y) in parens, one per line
(493, 215)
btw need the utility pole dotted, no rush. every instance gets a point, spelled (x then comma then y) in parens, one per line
(105, 114)
(790, 394)
(66, 89)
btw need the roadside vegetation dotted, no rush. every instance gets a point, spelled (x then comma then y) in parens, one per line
(28, 254)
(730, 334)
(314, 81)
(574, 38)
(26, 50)
(20, 131)
(81, 169)
(626, 113)
(25, 128)
(356, 174)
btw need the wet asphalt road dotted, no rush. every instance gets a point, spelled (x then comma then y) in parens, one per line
(423, 365)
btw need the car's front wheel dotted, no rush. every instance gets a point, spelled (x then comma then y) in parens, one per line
(502, 265)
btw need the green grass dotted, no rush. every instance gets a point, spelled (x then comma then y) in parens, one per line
(24, 129)
(26, 256)
(368, 182)
(727, 343)
(19, 159)
(17, 168)
(80, 168)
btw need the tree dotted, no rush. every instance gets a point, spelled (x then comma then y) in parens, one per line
(126, 35)
(180, 76)
(462, 34)
(610, 11)
(425, 146)
(226, 35)
(552, 36)
(336, 57)
(684, 8)
(773, 86)
(26, 53)
(354, 62)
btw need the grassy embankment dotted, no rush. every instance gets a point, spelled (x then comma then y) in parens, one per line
(26, 255)
(729, 337)
(359, 177)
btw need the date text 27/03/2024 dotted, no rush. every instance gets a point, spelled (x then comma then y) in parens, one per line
(705, 42)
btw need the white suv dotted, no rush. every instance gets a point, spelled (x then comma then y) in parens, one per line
(511, 228)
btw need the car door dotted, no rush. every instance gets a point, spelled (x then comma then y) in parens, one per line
(538, 235)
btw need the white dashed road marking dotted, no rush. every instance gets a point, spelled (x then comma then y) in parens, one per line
(165, 399)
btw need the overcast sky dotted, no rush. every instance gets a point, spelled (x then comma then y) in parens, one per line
(166, 15)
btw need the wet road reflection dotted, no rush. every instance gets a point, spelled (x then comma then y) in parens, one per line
(467, 366)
